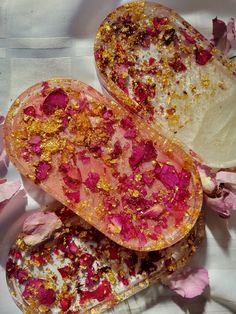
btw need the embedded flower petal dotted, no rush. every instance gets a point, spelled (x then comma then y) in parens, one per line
(202, 56)
(57, 99)
(39, 227)
(168, 176)
(92, 180)
(42, 170)
(102, 293)
(190, 282)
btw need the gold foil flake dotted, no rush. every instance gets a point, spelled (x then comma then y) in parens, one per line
(111, 277)
(103, 184)
(115, 229)
(138, 177)
(221, 85)
(81, 206)
(134, 193)
(99, 209)
(205, 81)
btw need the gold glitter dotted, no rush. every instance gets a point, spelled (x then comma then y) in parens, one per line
(103, 184)
(221, 85)
(134, 193)
(205, 81)
(138, 177)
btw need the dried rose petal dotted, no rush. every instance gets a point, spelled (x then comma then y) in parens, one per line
(91, 181)
(46, 296)
(126, 123)
(66, 271)
(159, 21)
(30, 111)
(202, 56)
(130, 133)
(82, 156)
(117, 150)
(57, 99)
(178, 66)
(190, 282)
(39, 227)
(73, 184)
(1, 119)
(73, 196)
(102, 293)
(145, 151)
(42, 170)
(223, 35)
(86, 260)
(11, 268)
(65, 304)
(168, 176)
(22, 275)
(188, 38)
(8, 190)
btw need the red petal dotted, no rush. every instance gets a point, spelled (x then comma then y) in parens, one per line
(92, 180)
(30, 111)
(102, 293)
(202, 56)
(57, 99)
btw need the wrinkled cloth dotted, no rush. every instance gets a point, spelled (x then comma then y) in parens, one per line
(54, 38)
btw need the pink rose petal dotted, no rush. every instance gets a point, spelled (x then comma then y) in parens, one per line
(91, 181)
(57, 99)
(223, 35)
(190, 283)
(8, 190)
(42, 170)
(39, 227)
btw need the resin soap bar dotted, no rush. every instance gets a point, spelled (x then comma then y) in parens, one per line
(82, 271)
(156, 63)
(127, 180)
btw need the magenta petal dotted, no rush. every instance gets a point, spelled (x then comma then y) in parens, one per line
(190, 283)
(39, 226)
(168, 176)
(57, 99)
(74, 196)
(92, 180)
(42, 170)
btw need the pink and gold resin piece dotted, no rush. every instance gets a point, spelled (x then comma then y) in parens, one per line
(79, 270)
(124, 178)
(164, 70)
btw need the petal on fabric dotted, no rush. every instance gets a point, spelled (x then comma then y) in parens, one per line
(222, 204)
(223, 35)
(208, 180)
(190, 283)
(226, 177)
(8, 189)
(39, 227)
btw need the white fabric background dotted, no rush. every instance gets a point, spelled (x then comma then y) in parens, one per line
(53, 38)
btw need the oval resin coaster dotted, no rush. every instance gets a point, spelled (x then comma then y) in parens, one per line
(127, 180)
(163, 69)
(79, 270)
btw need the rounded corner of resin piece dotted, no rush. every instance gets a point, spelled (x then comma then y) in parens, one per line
(110, 167)
(159, 66)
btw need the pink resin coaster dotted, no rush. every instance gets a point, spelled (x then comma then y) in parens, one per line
(79, 270)
(124, 178)
(159, 66)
